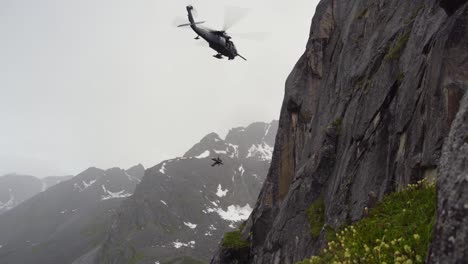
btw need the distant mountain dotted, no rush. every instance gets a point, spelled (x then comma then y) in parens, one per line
(14, 188)
(66, 220)
(183, 206)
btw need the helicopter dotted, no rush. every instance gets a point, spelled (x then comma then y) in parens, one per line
(217, 161)
(218, 40)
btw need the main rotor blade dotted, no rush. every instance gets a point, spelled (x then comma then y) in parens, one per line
(257, 36)
(232, 16)
(188, 24)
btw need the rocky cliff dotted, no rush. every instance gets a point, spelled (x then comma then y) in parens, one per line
(366, 111)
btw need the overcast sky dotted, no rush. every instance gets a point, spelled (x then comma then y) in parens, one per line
(113, 83)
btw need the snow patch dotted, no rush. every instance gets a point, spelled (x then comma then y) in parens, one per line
(113, 195)
(236, 150)
(208, 233)
(241, 169)
(267, 130)
(178, 244)
(203, 155)
(234, 213)
(163, 202)
(131, 178)
(212, 227)
(8, 205)
(260, 151)
(190, 225)
(163, 168)
(220, 151)
(221, 192)
(88, 184)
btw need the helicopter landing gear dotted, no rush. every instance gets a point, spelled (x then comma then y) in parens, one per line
(218, 56)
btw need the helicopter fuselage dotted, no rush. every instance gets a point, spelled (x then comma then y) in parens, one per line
(218, 40)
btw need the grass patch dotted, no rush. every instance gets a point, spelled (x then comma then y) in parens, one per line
(316, 216)
(137, 257)
(183, 260)
(395, 51)
(397, 230)
(400, 77)
(234, 240)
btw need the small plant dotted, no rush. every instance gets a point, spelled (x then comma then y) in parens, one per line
(137, 257)
(234, 240)
(316, 216)
(398, 46)
(400, 77)
(337, 124)
(362, 14)
(397, 230)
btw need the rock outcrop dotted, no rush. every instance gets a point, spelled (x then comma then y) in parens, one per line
(366, 111)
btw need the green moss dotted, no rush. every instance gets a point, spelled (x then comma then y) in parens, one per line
(398, 229)
(400, 77)
(234, 240)
(337, 124)
(316, 217)
(183, 260)
(395, 51)
(242, 226)
(362, 14)
(137, 257)
(330, 233)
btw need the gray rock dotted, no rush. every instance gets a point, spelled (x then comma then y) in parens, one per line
(450, 241)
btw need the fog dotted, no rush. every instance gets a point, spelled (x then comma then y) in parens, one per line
(114, 83)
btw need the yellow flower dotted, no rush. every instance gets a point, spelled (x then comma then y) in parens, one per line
(407, 248)
(416, 236)
(418, 258)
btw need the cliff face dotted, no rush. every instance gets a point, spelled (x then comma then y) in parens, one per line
(366, 111)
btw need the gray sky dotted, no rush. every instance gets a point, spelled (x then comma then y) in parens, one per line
(110, 83)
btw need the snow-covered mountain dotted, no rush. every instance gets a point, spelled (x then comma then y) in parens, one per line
(66, 220)
(183, 206)
(15, 188)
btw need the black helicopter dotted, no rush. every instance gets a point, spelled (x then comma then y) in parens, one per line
(217, 161)
(218, 40)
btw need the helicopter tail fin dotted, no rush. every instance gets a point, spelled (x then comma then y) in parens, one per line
(191, 24)
(190, 15)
